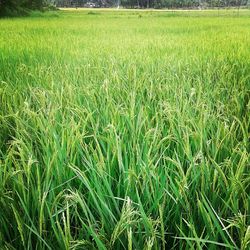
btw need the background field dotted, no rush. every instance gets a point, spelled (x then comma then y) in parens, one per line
(125, 130)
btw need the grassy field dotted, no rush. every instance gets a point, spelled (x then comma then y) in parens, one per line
(125, 130)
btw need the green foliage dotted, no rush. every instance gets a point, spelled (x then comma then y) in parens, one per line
(19, 7)
(119, 132)
(158, 4)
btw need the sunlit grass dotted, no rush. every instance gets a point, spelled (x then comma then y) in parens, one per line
(124, 130)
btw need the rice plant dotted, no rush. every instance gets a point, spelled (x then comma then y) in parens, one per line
(120, 132)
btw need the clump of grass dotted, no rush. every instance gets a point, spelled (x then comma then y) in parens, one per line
(124, 135)
(93, 13)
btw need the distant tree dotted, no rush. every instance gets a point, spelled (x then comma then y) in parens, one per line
(8, 7)
(34, 4)
(17, 6)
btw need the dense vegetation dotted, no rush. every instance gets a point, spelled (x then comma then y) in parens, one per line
(22, 7)
(19, 7)
(153, 3)
(125, 130)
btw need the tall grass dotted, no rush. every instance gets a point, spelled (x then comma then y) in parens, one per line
(119, 132)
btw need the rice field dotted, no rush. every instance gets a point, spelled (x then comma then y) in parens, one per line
(125, 130)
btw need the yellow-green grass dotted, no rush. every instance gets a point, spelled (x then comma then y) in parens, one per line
(125, 130)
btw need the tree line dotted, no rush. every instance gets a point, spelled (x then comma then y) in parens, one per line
(152, 3)
(19, 7)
